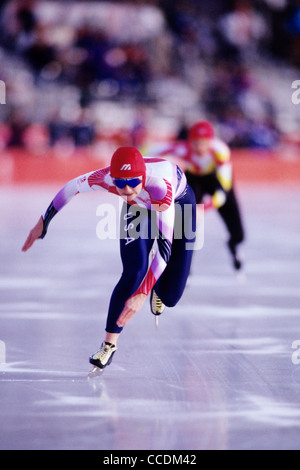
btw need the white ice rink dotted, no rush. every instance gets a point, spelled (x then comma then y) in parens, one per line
(221, 371)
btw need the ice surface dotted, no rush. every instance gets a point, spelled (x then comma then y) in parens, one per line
(219, 373)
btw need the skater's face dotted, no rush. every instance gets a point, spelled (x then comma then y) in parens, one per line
(200, 146)
(129, 189)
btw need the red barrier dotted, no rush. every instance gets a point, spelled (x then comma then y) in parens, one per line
(19, 166)
(266, 167)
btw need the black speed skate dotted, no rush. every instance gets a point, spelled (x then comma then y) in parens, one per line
(237, 261)
(103, 357)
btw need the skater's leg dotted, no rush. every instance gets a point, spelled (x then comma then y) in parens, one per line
(112, 338)
(172, 282)
(196, 183)
(231, 216)
(135, 246)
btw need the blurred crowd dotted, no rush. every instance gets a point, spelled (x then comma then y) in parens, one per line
(83, 72)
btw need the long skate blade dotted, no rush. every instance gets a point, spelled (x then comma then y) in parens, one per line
(156, 321)
(95, 372)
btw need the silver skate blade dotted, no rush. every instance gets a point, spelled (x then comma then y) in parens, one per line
(95, 372)
(156, 321)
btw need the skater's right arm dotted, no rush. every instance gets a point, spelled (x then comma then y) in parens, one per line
(60, 200)
(84, 183)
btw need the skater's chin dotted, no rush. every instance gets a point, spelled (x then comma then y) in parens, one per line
(129, 197)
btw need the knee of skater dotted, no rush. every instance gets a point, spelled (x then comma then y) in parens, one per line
(238, 241)
(241, 238)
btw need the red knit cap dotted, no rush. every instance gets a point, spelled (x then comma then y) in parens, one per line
(201, 130)
(127, 162)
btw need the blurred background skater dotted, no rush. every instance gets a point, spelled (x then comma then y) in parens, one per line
(208, 168)
(159, 207)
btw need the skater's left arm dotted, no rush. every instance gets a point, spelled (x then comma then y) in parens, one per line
(135, 302)
(132, 306)
(165, 223)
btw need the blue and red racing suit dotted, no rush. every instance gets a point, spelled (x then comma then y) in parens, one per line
(165, 205)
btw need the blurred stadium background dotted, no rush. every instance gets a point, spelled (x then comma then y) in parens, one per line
(83, 77)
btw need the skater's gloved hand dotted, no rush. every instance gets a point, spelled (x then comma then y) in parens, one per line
(208, 205)
(215, 201)
(218, 199)
(34, 234)
(132, 306)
